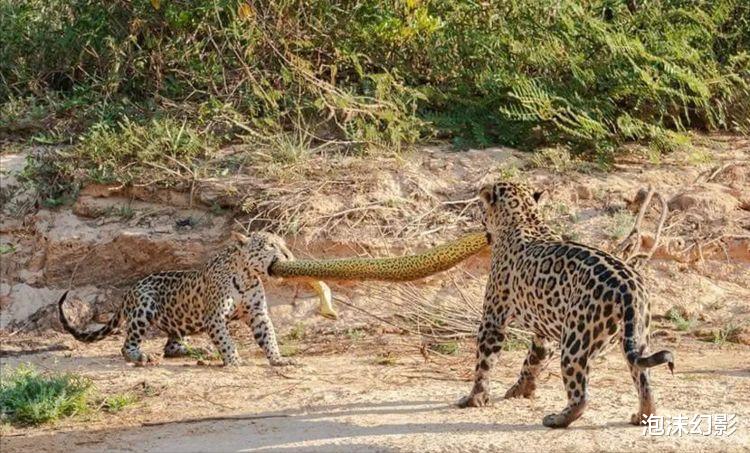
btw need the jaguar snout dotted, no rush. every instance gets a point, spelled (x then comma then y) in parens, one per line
(273, 261)
(277, 257)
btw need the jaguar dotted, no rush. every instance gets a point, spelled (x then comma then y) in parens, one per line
(562, 292)
(186, 302)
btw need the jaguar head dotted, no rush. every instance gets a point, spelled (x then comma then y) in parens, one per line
(507, 205)
(259, 251)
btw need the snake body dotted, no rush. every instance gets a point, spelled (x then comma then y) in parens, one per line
(394, 269)
(398, 269)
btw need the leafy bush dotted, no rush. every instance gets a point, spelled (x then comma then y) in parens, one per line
(109, 152)
(29, 397)
(116, 403)
(446, 348)
(371, 74)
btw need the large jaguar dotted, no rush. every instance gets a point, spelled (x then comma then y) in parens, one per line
(562, 292)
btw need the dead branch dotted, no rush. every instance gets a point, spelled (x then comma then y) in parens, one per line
(630, 248)
(215, 419)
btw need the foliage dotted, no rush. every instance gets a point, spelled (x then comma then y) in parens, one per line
(727, 334)
(366, 75)
(680, 322)
(619, 225)
(555, 159)
(118, 402)
(446, 348)
(28, 397)
(202, 354)
(109, 152)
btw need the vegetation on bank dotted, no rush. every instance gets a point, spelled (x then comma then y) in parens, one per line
(149, 85)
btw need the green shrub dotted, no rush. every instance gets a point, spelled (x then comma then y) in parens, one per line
(619, 224)
(29, 397)
(370, 74)
(161, 145)
(116, 403)
(680, 322)
(446, 348)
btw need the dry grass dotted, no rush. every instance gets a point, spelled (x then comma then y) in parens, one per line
(339, 197)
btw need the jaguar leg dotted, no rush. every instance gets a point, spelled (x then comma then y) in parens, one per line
(536, 360)
(489, 343)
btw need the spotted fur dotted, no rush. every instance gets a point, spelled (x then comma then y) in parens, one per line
(186, 302)
(562, 292)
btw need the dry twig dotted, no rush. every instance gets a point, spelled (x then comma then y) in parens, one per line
(630, 248)
(215, 419)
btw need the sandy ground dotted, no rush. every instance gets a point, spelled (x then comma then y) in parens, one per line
(346, 401)
(364, 389)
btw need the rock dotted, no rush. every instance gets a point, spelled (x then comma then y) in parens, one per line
(15, 198)
(32, 278)
(113, 255)
(9, 225)
(83, 208)
(4, 296)
(11, 165)
(24, 301)
(77, 311)
(711, 200)
(217, 195)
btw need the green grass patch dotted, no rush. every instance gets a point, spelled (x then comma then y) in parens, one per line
(296, 333)
(727, 334)
(116, 403)
(164, 151)
(557, 159)
(289, 349)
(561, 218)
(28, 397)
(123, 152)
(446, 348)
(516, 342)
(289, 344)
(619, 224)
(201, 353)
(680, 322)
(355, 334)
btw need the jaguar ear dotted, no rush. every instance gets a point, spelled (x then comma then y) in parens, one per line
(239, 237)
(538, 195)
(487, 194)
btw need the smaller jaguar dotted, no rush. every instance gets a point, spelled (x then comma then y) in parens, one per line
(186, 302)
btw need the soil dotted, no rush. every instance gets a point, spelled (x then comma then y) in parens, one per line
(346, 401)
(365, 384)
